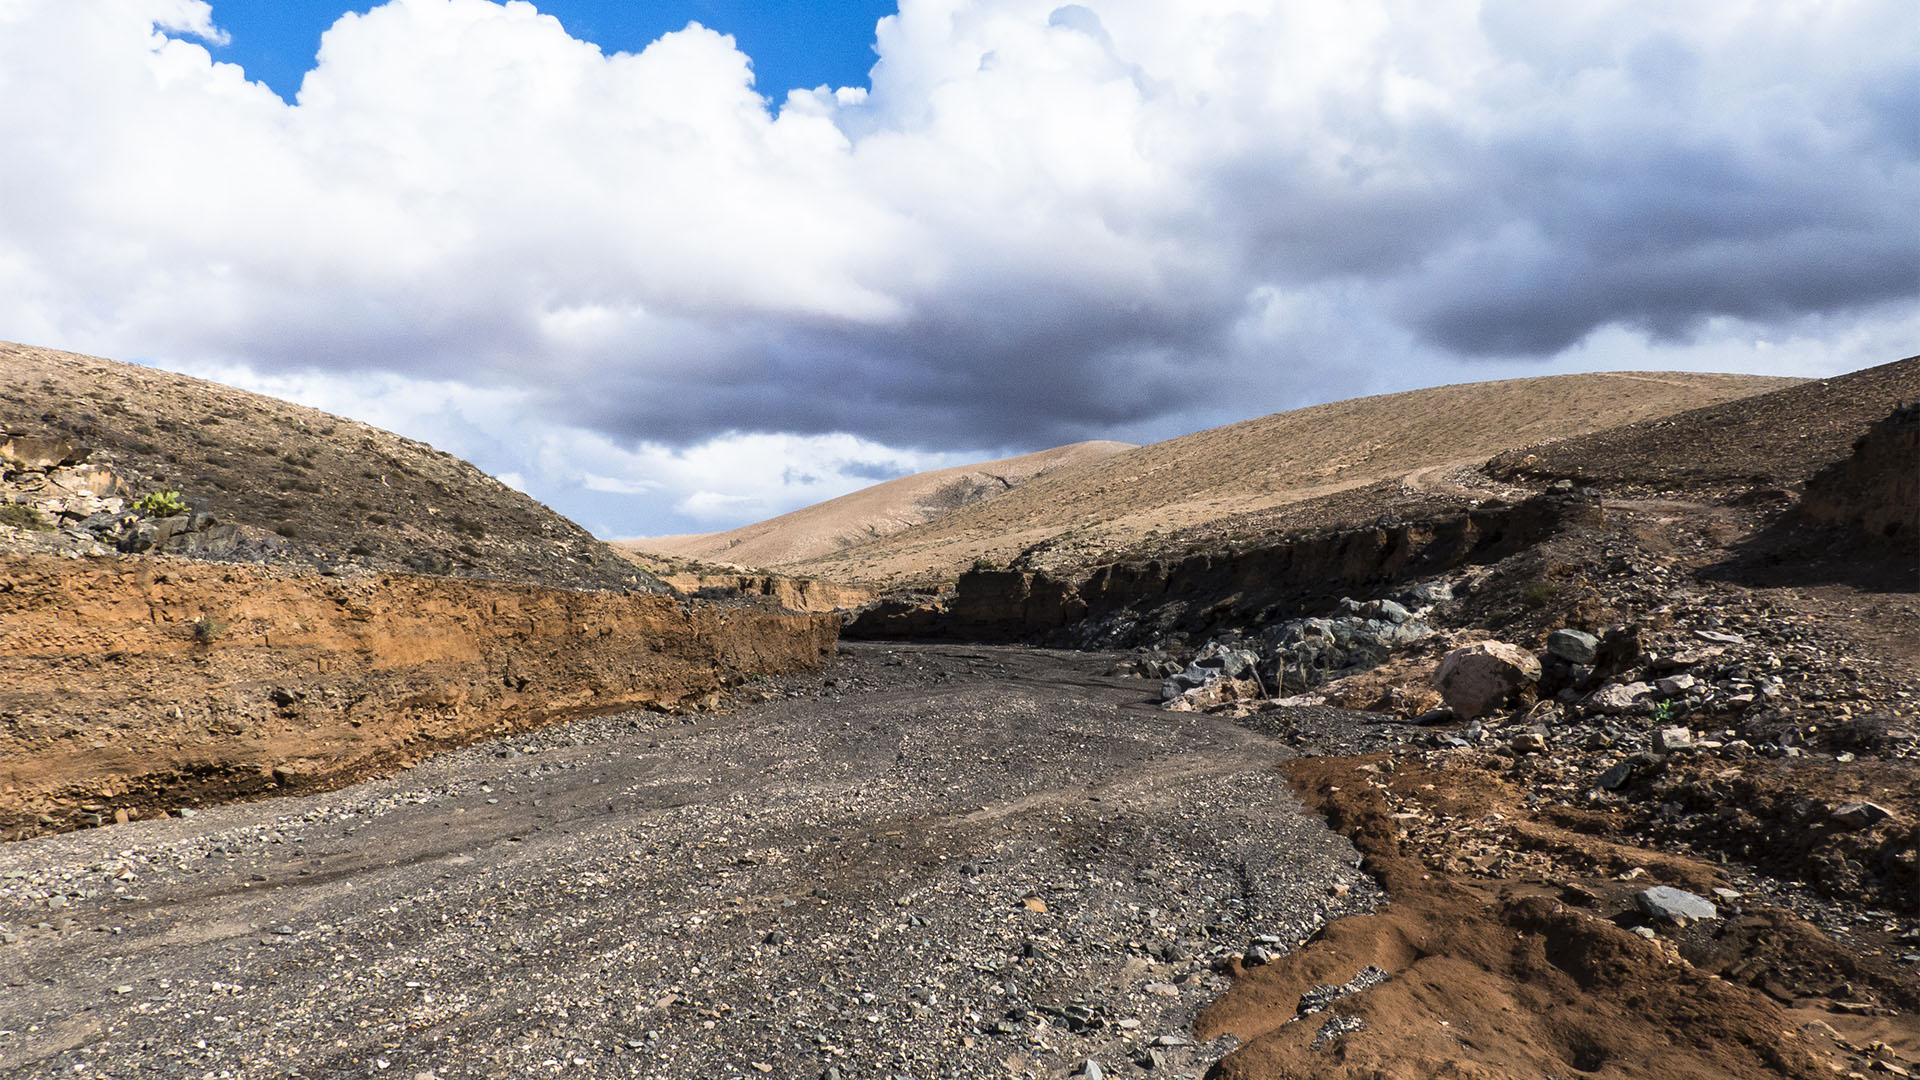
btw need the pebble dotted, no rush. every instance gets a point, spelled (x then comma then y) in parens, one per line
(1573, 646)
(1675, 685)
(1860, 815)
(1669, 739)
(1616, 777)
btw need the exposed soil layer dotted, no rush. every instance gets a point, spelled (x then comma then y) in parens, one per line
(133, 686)
(1873, 494)
(705, 580)
(1535, 972)
(1233, 586)
(304, 487)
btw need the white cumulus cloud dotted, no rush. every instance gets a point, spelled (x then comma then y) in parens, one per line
(637, 285)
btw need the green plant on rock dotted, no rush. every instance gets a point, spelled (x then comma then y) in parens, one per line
(208, 629)
(984, 564)
(1665, 711)
(161, 504)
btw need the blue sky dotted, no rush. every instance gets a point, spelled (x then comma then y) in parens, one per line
(793, 45)
(661, 294)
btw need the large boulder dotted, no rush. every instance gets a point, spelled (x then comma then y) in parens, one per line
(37, 453)
(1676, 905)
(1482, 677)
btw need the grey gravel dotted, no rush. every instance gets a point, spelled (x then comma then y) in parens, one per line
(928, 862)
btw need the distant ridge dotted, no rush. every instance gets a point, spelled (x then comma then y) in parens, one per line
(1284, 459)
(872, 512)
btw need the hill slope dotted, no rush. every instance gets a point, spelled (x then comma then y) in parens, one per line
(877, 511)
(1781, 437)
(283, 483)
(1277, 460)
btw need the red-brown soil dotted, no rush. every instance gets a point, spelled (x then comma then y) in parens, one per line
(138, 685)
(1525, 969)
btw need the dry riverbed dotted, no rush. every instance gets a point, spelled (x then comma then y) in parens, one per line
(931, 861)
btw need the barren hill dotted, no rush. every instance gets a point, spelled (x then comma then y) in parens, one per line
(877, 511)
(1278, 460)
(263, 480)
(1777, 438)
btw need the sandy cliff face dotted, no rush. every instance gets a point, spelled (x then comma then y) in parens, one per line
(799, 594)
(137, 685)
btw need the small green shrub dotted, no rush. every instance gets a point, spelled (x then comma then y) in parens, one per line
(983, 563)
(1665, 711)
(208, 629)
(1540, 594)
(161, 504)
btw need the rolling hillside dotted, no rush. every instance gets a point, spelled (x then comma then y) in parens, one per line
(1274, 461)
(878, 511)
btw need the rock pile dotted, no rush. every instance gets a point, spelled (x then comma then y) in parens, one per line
(1220, 674)
(1294, 655)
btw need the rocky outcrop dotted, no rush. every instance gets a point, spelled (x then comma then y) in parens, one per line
(1220, 674)
(798, 594)
(137, 684)
(1874, 493)
(1200, 593)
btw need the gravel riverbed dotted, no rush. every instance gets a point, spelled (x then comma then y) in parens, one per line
(927, 861)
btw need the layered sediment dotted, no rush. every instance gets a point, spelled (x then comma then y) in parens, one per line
(132, 686)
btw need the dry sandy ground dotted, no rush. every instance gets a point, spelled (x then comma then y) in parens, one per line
(1117, 500)
(880, 510)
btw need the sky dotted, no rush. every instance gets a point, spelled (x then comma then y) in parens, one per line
(677, 267)
(792, 45)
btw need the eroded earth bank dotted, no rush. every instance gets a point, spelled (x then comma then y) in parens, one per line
(136, 686)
